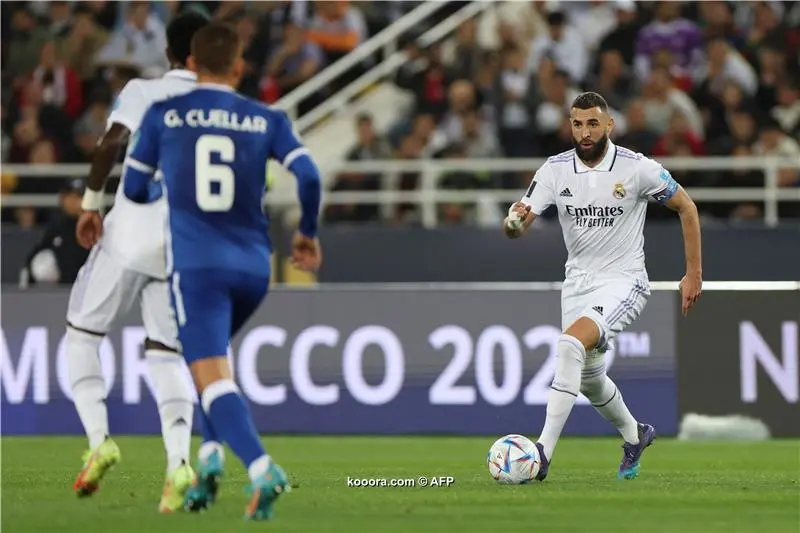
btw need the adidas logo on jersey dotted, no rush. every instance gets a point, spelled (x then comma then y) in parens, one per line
(598, 308)
(565, 193)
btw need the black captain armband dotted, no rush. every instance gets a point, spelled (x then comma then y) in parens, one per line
(530, 188)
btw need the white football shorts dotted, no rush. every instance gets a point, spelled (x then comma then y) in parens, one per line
(105, 291)
(612, 303)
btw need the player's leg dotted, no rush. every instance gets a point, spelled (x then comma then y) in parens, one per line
(173, 393)
(268, 480)
(616, 305)
(204, 303)
(570, 357)
(561, 398)
(102, 292)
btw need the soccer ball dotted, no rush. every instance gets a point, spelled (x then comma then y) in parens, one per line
(513, 460)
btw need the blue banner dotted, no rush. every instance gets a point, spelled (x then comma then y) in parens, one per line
(356, 361)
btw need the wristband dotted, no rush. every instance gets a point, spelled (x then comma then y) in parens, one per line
(92, 200)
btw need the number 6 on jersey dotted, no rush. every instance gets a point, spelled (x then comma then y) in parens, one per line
(214, 183)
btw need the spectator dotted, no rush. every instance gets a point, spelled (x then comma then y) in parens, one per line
(662, 100)
(680, 36)
(53, 84)
(58, 257)
(24, 47)
(410, 150)
(593, 20)
(294, 63)
(614, 80)
(433, 141)
(774, 142)
(638, 136)
(773, 70)
(141, 41)
(425, 76)
(89, 128)
(27, 133)
(742, 132)
(60, 19)
(461, 98)
(679, 139)
(564, 44)
(623, 37)
(726, 64)
(516, 106)
(554, 110)
(79, 46)
(458, 180)
(731, 100)
(463, 55)
(787, 111)
(252, 32)
(479, 140)
(511, 23)
(763, 26)
(337, 28)
(717, 18)
(369, 147)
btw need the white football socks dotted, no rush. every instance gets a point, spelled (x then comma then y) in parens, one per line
(87, 384)
(607, 399)
(209, 447)
(259, 467)
(563, 392)
(175, 404)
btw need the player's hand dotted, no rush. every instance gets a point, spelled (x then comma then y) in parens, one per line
(524, 213)
(89, 228)
(691, 286)
(306, 253)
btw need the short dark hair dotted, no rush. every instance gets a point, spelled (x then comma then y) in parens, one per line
(216, 47)
(180, 33)
(590, 100)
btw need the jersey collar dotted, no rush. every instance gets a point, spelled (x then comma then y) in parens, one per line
(605, 165)
(182, 74)
(217, 86)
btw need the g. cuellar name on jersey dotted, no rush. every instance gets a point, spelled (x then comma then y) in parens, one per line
(593, 216)
(215, 118)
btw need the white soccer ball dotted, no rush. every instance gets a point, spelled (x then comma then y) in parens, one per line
(513, 460)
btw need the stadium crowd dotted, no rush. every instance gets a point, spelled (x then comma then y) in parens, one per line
(64, 63)
(707, 78)
(682, 78)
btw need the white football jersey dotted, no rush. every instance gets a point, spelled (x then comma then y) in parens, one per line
(134, 233)
(601, 210)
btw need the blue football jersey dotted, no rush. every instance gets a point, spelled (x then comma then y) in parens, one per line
(211, 147)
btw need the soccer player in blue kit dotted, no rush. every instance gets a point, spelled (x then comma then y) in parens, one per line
(211, 146)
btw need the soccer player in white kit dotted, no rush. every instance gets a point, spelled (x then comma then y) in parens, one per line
(127, 262)
(601, 192)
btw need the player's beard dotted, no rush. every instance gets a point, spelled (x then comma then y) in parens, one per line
(593, 153)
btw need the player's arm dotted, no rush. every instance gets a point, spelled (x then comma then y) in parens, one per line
(290, 152)
(142, 162)
(659, 184)
(537, 198)
(122, 120)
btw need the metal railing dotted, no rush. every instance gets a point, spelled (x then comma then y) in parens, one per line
(428, 195)
(386, 39)
(392, 62)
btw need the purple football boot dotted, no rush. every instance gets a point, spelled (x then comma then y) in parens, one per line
(632, 453)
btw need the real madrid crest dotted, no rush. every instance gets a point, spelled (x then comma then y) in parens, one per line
(619, 191)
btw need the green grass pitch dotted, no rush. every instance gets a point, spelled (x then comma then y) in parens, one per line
(683, 487)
